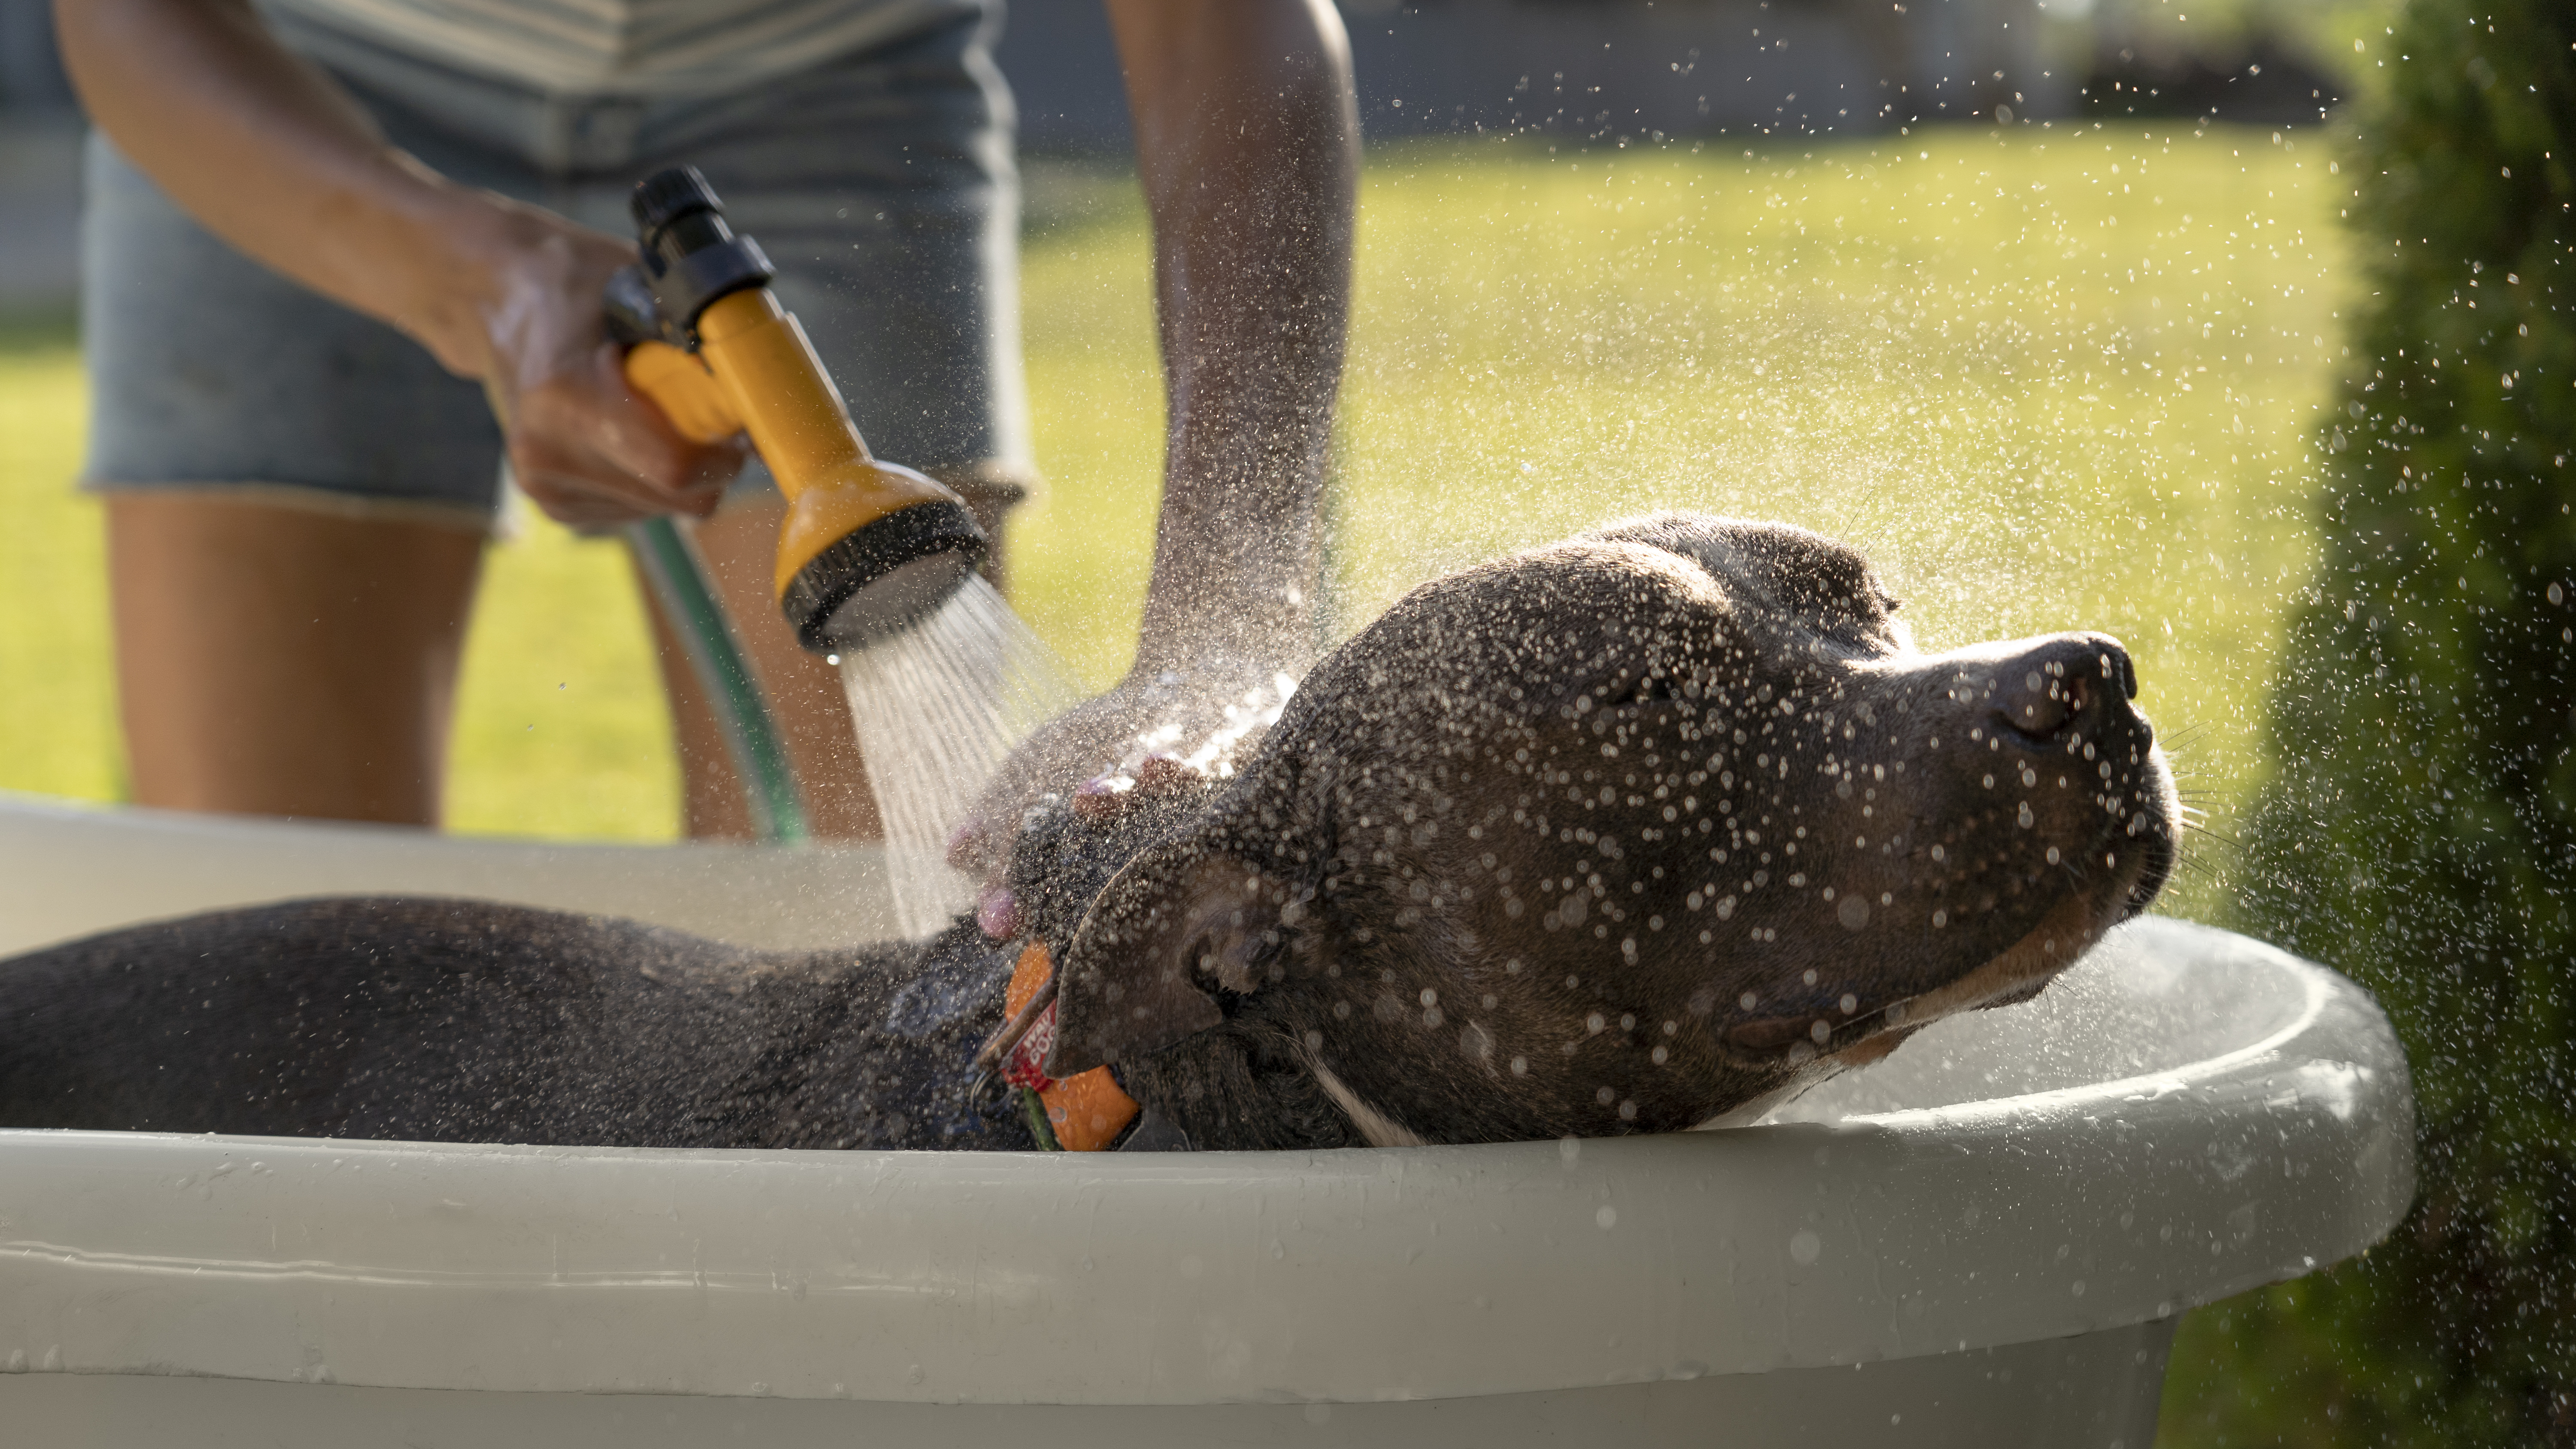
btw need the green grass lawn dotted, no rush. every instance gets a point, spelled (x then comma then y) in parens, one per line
(2049, 378)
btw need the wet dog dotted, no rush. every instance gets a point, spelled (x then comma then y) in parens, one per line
(1637, 832)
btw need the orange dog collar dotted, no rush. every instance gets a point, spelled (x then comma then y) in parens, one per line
(1083, 1113)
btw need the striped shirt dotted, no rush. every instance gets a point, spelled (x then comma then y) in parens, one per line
(628, 47)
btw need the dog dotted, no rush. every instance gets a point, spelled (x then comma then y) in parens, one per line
(1638, 832)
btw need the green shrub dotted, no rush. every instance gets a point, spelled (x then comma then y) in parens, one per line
(2419, 829)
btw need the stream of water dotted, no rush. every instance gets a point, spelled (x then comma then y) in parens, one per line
(937, 708)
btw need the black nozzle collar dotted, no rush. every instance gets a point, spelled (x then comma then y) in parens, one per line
(691, 257)
(667, 195)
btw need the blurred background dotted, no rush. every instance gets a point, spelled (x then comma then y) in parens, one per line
(2035, 302)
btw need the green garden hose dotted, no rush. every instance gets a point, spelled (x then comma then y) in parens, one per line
(679, 580)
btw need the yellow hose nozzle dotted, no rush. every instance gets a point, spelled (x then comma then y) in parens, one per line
(868, 548)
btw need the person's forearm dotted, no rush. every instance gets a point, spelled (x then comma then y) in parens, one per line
(270, 154)
(1248, 139)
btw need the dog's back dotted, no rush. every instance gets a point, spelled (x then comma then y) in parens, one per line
(465, 1021)
(420, 1019)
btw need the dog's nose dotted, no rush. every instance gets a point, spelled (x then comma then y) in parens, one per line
(2067, 683)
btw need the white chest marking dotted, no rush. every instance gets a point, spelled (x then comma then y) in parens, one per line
(1745, 1114)
(1379, 1129)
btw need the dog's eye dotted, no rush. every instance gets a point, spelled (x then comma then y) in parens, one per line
(1652, 687)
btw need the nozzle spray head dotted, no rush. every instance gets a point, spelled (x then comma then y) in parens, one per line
(873, 579)
(869, 549)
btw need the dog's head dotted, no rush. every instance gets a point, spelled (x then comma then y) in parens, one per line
(1632, 833)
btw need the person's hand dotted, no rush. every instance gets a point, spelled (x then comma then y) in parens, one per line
(583, 446)
(1170, 724)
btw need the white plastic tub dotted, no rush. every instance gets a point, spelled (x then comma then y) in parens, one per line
(1982, 1241)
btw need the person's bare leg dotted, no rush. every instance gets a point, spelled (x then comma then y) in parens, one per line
(278, 661)
(740, 545)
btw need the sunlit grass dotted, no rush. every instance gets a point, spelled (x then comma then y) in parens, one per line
(2045, 394)
(560, 726)
(58, 731)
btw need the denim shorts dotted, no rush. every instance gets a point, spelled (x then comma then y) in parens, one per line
(881, 184)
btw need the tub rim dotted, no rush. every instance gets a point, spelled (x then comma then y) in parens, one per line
(1810, 1247)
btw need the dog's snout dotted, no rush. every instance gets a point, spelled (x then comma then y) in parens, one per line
(2069, 683)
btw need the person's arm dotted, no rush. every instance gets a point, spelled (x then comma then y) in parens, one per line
(268, 153)
(1247, 136)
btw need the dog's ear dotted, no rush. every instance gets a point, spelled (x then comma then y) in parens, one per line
(1179, 922)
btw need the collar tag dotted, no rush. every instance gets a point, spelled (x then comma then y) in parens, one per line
(1083, 1113)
